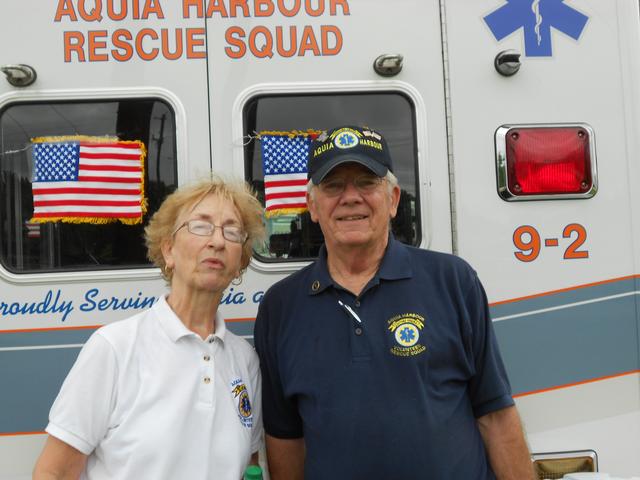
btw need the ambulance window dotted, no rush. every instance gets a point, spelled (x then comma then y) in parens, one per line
(295, 236)
(29, 247)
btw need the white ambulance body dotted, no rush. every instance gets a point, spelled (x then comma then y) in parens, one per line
(201, 82)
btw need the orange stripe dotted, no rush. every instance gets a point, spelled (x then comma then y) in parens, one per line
(501, 302)
(247, 319)
(561, 290)
(583, 382)
(26, 330)
(14, 434)
(88, 327)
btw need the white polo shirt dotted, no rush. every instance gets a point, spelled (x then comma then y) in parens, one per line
(148, 398)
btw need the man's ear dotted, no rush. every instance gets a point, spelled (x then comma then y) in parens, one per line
(312, 208)
(395, 201)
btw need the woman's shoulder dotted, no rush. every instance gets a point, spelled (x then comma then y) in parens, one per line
(125, 332)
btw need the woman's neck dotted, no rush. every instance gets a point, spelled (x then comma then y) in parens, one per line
(197, 310)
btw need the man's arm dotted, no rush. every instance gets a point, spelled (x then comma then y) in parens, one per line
(504, 440)
(59, 461)
(285, 457)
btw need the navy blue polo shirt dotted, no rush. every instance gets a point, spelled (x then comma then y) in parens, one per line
(396, 394)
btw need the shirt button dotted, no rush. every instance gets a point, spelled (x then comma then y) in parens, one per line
(211, 340)
(207, 380)
(206, 358)
(357, 303)
(358, 331)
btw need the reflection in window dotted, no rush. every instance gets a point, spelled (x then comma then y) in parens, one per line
(31, 247)
(296, 236)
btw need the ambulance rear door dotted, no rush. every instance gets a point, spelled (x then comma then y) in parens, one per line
(296, 66)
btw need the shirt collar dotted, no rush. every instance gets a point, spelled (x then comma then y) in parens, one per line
(396, 262)
(175, 329)
(320, 278)
(395, 265)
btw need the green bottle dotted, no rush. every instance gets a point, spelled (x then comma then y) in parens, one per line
(253, 472)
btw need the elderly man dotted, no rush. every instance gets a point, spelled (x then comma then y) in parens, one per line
(379, 360)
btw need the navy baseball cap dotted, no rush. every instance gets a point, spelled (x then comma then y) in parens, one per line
(348, 144)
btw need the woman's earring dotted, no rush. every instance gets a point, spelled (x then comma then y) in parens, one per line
(237, 281)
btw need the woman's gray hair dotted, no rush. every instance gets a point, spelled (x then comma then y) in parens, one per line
(165, 220)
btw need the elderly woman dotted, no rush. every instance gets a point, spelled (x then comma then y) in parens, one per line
(169, 393)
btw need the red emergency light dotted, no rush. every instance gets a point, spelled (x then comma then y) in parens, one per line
(541, 162)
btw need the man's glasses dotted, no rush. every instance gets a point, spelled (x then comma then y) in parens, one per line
(202, 228)
(334, 186)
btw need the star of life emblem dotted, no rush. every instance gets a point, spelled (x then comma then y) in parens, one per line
(537, 19)
(346, 139)
(407, 332)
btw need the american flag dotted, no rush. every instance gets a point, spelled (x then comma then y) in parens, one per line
(88, 181)
(284, 161)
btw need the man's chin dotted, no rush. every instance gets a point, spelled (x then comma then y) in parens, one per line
(353, 238)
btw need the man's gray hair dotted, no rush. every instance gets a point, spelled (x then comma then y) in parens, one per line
(392, 182)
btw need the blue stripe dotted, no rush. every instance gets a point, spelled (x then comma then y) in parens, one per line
(565, 346)
(47, 337)
(562, 298)
(30, 382)
(540, 350)
(241, 328)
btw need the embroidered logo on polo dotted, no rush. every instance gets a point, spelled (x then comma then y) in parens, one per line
(241, 396)
(406, 330)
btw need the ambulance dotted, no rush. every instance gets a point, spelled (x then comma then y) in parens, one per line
(514, 126)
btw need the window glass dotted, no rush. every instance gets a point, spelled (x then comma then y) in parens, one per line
(296, 237)
(27, 247)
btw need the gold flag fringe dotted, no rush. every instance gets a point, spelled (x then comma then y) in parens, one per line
(92, 220)
(284, 211)
(292, 133)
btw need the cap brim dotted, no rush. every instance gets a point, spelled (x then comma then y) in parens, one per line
(377, 168)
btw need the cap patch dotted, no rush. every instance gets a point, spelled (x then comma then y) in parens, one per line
(346, 138)
(348, 144)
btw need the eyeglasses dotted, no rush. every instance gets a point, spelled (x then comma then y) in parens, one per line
(202, 228)
(334, 186)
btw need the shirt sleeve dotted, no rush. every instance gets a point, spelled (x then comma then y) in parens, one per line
(280, 413)
(489, 387)
(81, 412)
